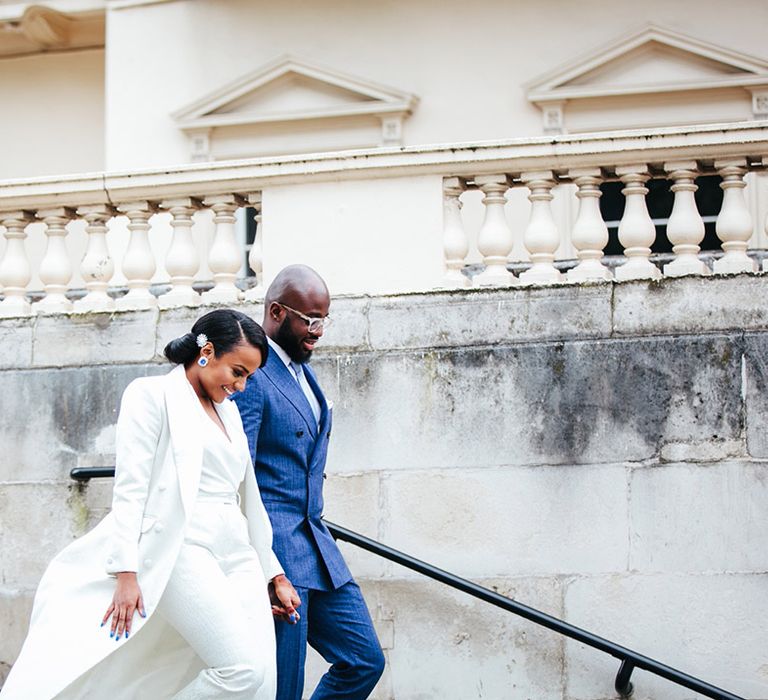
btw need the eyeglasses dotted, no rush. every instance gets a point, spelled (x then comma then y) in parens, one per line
(314, 324)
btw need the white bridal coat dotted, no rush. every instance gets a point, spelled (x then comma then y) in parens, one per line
(158, 460)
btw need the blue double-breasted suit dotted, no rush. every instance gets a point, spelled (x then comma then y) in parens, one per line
(289, 448)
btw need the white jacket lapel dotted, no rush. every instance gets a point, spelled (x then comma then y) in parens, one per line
(184, 424)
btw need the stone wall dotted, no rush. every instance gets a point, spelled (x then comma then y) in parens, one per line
(594, 451)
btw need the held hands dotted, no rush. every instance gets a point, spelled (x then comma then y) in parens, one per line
(125, 602)
(284, 599)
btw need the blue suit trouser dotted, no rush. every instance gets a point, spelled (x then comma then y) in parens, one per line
(338, 626)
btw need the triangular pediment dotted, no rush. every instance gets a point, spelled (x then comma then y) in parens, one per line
(291, 89)
(651, 59)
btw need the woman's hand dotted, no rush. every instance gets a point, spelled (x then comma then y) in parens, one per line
(284, 599)
(125, 602)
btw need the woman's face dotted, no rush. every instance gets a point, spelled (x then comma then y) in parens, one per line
(226, 374)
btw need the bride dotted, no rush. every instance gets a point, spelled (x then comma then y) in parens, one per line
(173, 593)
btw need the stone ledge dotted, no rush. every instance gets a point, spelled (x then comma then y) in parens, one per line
(424, 320)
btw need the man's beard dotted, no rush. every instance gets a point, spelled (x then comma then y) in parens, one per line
(292, 345)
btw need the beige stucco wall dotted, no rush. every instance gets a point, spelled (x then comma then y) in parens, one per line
(467, 64)
(52, 119)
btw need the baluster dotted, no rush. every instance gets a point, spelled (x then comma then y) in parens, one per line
(734, 222)
(541, 237)
(15, 270)
(765, 226)
(182, 261)
(685, 228)
(138, 264)
(55, 267)
(494, 240)
(256, 254)
(225, 256)
(97, 266)
(455, 243)
(590, 234)
(636, 230)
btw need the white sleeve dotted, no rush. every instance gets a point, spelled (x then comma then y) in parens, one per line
(138, 431)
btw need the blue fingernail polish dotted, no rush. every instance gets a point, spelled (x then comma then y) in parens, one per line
(126, 634)
(112, 633)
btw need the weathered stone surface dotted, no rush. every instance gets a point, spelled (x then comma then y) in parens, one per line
(16, 341)
(60, 515)
(756, 393)
(15, 609)
(96, 496)
(497, 433)
(690, 305)
(353, 501)
(711, 627)
(674, 509)
(706, 451)
(483, 317)
(485, 522)
(51, 419)
(559, 403)
(349, 327)
(94, 339)
(467, 648)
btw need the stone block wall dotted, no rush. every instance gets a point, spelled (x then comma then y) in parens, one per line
(595, 451)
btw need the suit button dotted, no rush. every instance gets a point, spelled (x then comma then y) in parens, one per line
(161, 486)
(148, 563)
(159, 527)
(110, 561)
(299, 433)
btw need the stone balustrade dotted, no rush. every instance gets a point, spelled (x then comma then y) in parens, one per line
(589, 234)
(131, 204)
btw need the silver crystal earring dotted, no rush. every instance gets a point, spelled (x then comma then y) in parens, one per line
(203, 361)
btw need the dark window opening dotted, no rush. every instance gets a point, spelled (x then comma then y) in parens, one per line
(250, 237)
(659, 200)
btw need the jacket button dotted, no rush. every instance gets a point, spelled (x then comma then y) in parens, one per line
(148, 563)
(299, 433)
(159, 527)
(110, 561)
(161, 486)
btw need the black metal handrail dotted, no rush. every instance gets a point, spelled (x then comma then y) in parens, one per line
(630, 660)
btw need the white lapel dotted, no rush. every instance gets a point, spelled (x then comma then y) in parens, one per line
(184, 424)
(230, 416)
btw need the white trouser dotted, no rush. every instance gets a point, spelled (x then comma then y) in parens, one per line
(216, 599)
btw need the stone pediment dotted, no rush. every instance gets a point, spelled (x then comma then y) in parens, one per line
(651, 60)
(290, 90)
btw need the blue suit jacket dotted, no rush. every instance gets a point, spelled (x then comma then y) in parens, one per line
(289, 452)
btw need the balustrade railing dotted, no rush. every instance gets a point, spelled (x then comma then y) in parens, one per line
(589, 235)
(155, 213)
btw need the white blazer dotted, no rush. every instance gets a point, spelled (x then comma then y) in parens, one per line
(158, 462)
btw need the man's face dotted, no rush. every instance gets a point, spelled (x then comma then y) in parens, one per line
(293, 334)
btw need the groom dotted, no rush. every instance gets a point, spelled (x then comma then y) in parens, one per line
(288, 424)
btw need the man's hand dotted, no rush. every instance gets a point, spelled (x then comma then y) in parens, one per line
(125, 602)
(284, 599)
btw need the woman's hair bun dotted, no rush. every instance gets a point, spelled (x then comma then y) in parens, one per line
(182, 350)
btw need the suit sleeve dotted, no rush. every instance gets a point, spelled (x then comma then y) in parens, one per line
(250, 403)
(259, 525)
(138, 432)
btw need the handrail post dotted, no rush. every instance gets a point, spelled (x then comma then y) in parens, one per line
(623, 683)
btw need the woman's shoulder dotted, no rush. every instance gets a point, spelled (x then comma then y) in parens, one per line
(143, 389)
